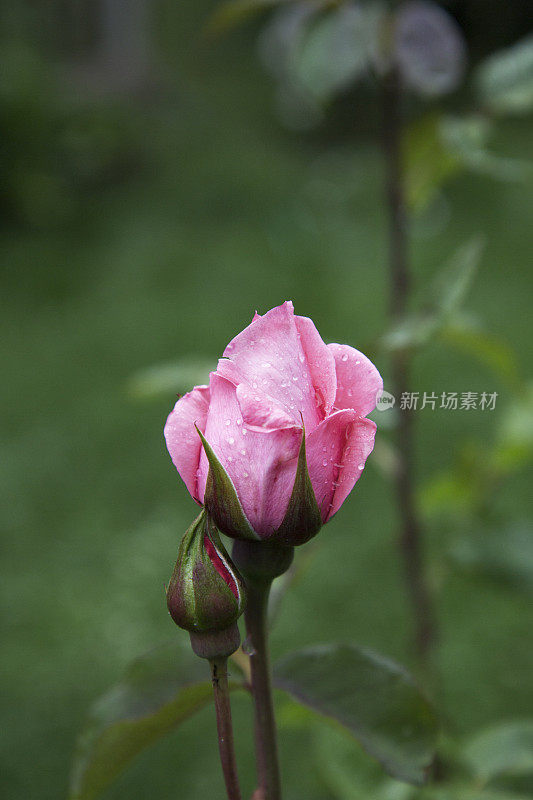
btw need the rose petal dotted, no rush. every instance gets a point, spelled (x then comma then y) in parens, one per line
(336, 453)
(182, 439)
(259, 411)
(269, 356)
(261, 465)
(358, 381)
(321, 364)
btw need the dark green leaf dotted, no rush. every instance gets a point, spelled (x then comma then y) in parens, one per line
(160, 690)
(503, 749)
(375, 699)
(505, 79)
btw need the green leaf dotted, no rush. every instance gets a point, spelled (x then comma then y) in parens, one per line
(505, 79)
(221, 499)
(428, 162)
(334, 50)
(375, 699)
(170, 378)
(444, 299)
(503, 749)
(302, 519)
(160, 690)
(466, 139)
(430, 48)
(234, 12)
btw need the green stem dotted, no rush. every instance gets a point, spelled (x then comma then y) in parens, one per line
(265, 725)
(411, 534)
(219, 677)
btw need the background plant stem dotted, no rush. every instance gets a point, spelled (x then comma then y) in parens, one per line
(411, 535)
(268, 772)
(219, 677)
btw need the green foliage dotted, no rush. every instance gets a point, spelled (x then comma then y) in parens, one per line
(443, 300)
(504, 554)
(375, 699)
(505, 79)
(504, 749)
(160, 690)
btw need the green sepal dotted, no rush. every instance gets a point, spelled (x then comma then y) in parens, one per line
(302, 519)
(221, 501)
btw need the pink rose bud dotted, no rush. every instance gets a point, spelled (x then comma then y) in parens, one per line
(205, 595)
(284, 435)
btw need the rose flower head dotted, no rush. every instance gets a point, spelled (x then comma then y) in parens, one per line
(276, 442)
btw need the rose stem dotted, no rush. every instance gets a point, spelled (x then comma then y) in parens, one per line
(265, 725)
(411, 537)
(219, 677)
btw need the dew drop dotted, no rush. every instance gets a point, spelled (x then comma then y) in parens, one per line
(344, 357)
(247, 647)
(325, 462)
(239, 422)
(244, 431)
(243, 453)
(357, 362)
(228, 422)
(231, 440)
(230, 459)
(360, 466)
(254, 385)
(302, 358)
(295, 377)
(245, 475)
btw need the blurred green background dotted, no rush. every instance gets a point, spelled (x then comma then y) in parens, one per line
(152, 200)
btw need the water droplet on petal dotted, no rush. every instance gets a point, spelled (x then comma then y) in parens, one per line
(228, 422)
(360, 466)
(243, 453)
(231, 440)
(239, 422)
(344, 357)
(245, 474)
(357, 362)
(244, 431)
(295, 377)
(325, 462)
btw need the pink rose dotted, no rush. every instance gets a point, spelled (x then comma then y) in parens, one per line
(275, 373)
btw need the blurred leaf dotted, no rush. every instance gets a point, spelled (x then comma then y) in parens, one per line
(230, 14)
(375, 699)
(502, 749)
(505, 79)
(505, 554)
(443, 300)
(430, 48)
(463, 791)
(515, 434)
(466, 335)
(466, 139)
(160, 690)
(428, 163)
(281, 34)
(171, 378)
(334, 50)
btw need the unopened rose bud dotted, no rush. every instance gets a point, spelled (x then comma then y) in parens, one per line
(205, 595)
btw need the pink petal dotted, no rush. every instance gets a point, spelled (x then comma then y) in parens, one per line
(259, 411)
(269, 356)
(358, 381)
(320, 362)
(182, 439)
(336, 455)
(261, 465)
